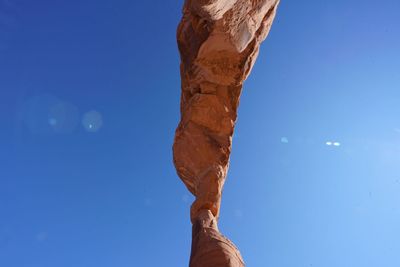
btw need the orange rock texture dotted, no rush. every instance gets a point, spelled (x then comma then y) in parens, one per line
(218, 42)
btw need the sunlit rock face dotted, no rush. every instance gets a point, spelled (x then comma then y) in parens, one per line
(218, 41)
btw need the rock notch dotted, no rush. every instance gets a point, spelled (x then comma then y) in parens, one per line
(218, 42)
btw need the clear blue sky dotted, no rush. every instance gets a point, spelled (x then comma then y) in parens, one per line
(89, 101)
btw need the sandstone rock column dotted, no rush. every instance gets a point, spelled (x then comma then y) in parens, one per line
(218, 41)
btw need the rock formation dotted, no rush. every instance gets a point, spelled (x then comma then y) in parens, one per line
(218, 41)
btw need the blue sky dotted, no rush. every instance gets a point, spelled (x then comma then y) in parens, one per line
(89, 101)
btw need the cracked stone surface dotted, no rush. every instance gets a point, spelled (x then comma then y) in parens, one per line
(218, 42)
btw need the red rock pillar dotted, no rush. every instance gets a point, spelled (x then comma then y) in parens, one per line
(218, 41)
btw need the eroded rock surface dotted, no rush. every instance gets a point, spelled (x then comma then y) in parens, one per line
(218, 41)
